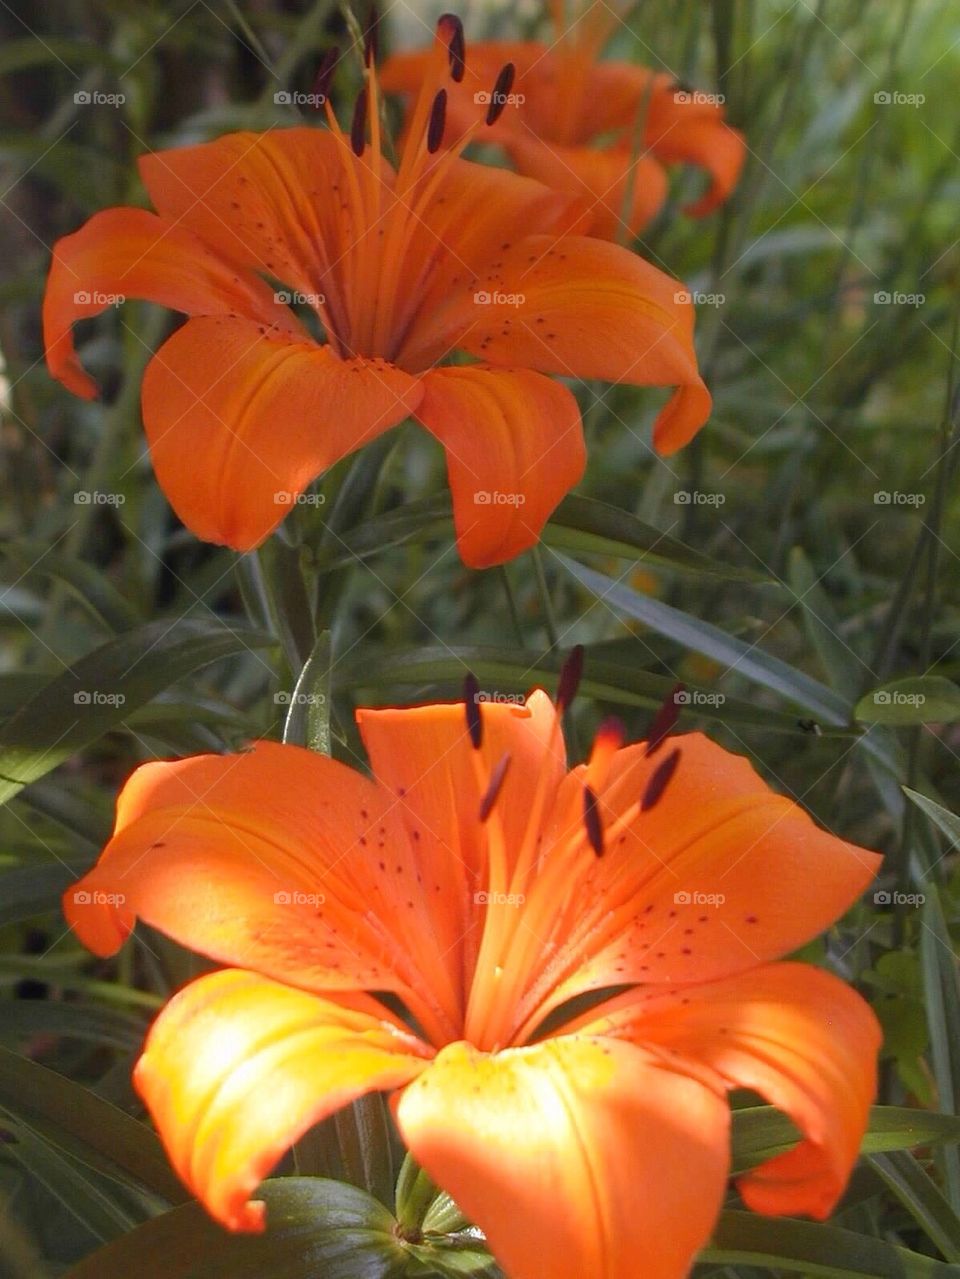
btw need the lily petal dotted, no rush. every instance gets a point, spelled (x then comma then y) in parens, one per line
(240, 419)
(424, 757)
(720, 875)
(514, 445)
(603, 177)
(131, 253)
(237, 1068)
(269, 201)
(259, 859)
(683, 128)
(585, 308)
(579, 1156)
(797, 1035)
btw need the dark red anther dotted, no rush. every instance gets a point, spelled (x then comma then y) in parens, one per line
(571, 673)
(660, 780)
(438, 120)
(358, 126)
(321, 81)
(501, 92)
(450, 28)
(471, 704)
(496, 784)
(592, 822)
(663, 723)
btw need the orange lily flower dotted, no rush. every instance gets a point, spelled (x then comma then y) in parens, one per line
(486, 887)
(570, 120)
(244, 407)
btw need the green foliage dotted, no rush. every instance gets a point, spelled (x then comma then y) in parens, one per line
(794, 568)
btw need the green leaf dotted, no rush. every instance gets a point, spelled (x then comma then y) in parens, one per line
(32, 890)
(100, 690)
(80, 1193)
(763, 1132)
(86, 1126)
(22, 1018)
(691, 632)
(922, 1198)
(948, 822)
(942, 1002)
(846, 670)
(812, 1248)
(579, 524)
(920, 699)
(516, 670)
(87, 584)
(316, 1229)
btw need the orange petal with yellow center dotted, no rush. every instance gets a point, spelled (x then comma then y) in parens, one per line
(266, 859)
(514, 446)
(237, 1068)
(241, 419)
(585, 308)
(720, 875)
(130, 253)
(623, 192)
(577, 1157)
(796, 1035)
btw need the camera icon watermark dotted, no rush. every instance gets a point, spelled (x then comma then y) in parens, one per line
(896, 697)
(94, 497)
(698, 899)
(299, 699)
(294, 897)
(94, 697)
(489, 98)
(483, 497)
(82, 897)
(94, 98)
(498, 698)
(694, 697)
(485, 298)
(895, 898)
(499, 899)
(86, 297)
(294, 297)
(882, 298)
(286, 498)
(695, 497)
(694, 97)
(291, 98)
(894, 98)
(883, 497)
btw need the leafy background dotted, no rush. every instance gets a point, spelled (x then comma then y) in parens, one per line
(762, 567)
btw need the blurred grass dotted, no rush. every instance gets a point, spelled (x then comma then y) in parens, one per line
(827, 397)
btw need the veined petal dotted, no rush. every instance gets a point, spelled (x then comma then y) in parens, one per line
(720, 875)
(262, 859)
(240, 419)
(601, 176)
(579, 1156)
(468, 221)
(237, 1068)
(795, 1034)
(514, 445)
(273, 201)
(131, 253)
(585, 308)
(424, 757)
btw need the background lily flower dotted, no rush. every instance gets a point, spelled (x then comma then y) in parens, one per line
(485, 886)
(243, 407)
(570, 120)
